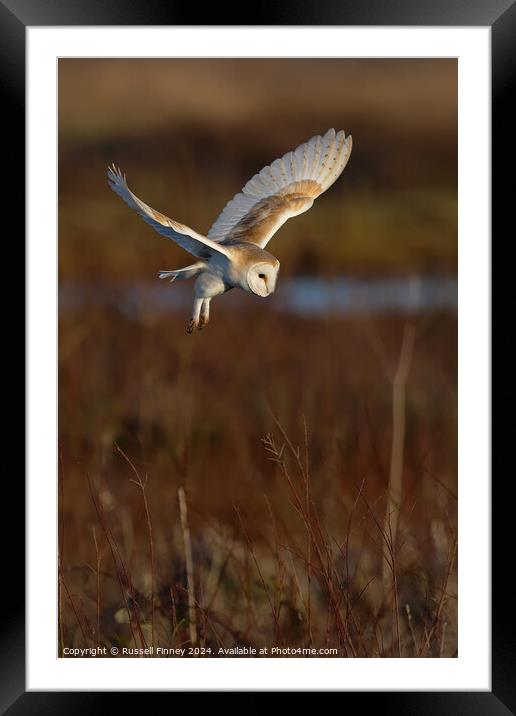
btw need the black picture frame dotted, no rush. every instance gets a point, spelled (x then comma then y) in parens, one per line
(15, 17)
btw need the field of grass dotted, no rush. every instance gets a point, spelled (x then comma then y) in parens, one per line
(280, 432)
(277, 480)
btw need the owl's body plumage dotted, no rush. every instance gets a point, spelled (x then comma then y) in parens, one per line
(233, 253)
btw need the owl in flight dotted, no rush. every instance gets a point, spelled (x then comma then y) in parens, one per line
(233, 254)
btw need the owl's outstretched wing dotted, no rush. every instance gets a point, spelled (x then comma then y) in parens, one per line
(187, 238)
(286, 188)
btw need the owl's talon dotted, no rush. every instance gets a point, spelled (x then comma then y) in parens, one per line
(191, 326)
(203, 321)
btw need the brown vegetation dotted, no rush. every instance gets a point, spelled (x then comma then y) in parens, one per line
(276, 480)
(280, 431)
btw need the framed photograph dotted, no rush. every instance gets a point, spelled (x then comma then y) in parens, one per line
(258, 353)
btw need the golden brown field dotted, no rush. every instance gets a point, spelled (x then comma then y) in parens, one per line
(283, 478)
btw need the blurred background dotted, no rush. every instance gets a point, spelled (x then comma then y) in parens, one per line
(314, 433)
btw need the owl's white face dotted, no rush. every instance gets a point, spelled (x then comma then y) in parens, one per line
(261, 278)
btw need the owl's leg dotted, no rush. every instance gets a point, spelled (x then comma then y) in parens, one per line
(205, 313)
(193, 323)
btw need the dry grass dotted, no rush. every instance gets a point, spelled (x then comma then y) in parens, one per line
(290, 490)
(282, 443)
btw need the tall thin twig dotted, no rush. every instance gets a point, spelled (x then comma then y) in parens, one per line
(314, 529)
(60, 555)
(251, 550)
(97, 572)
(308, 540)
(398, 436)
(183, 512)
(442, 597)
(120, 568)
(142, 485)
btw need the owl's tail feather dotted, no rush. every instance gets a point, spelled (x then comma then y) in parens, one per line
(184, 273)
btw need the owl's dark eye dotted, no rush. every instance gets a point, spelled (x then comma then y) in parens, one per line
(261, 275)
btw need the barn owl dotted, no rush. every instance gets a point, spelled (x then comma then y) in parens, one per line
(233, 253)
